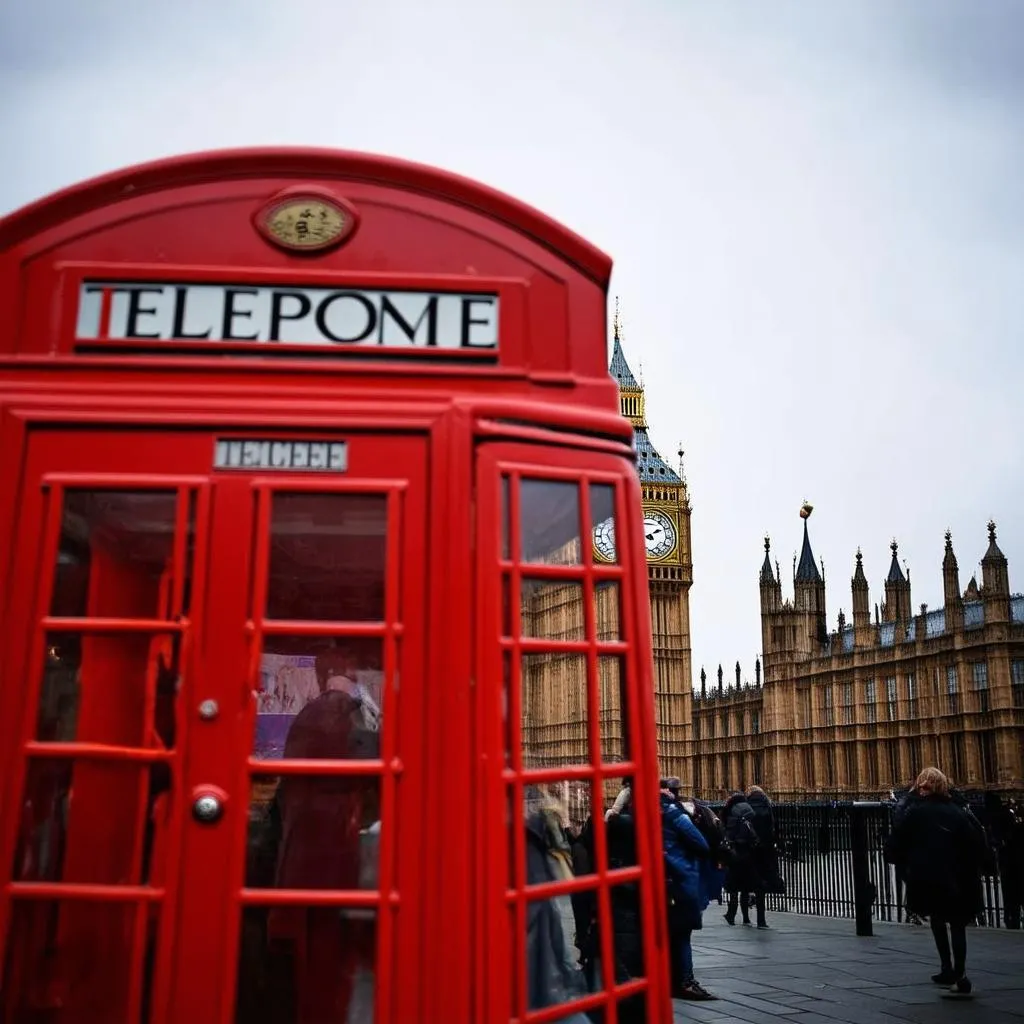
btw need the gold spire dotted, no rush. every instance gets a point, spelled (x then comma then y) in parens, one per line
(617, 322)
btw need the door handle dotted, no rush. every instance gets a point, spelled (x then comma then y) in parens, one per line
(208, 804)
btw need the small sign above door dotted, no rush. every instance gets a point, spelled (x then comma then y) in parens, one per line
(281, 456)
(342, 318)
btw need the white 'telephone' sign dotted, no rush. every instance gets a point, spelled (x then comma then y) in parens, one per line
(149, 311)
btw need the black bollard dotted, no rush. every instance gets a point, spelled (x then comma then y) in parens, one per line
(863, 888)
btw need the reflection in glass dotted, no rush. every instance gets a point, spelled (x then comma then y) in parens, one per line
(89, 821)
(602, 514)
(73, 962)
(554, 710)
(96, 689)
(552, 609)
(306, 965)
(555, 816)
(322, 695)
(549, 511)
(327, 557)
(115, 555)
(553, 972)
(314, 832)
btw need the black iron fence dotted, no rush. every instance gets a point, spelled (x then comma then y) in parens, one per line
(831, 857)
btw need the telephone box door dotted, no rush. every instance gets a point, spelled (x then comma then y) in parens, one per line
(205, 744)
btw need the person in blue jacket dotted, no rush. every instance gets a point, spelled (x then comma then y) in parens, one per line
(684, 850)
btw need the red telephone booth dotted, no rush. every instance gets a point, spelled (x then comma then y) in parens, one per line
(314, 684)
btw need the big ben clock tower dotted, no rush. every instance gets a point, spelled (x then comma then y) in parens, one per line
(666, 506)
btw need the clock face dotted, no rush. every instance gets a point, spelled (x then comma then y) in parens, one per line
(659, 534)
(604, 540)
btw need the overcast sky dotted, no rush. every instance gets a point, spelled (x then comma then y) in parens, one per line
(815, 211)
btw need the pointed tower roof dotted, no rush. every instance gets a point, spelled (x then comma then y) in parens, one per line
(767, 574)
(619, 368)
(807, 568)
(993, 554)
(949, 558)
(859, 579)
(650, 465)
(895, 572)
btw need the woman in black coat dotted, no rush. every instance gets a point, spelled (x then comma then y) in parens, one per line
(939, 851)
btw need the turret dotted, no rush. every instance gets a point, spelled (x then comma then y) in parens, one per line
(809, 586)
(951, 588)
(771, 588)
(861, 604)
(897, 591)
(995, 580)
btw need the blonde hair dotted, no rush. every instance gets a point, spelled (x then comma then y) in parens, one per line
(758, 790)
(934, 780)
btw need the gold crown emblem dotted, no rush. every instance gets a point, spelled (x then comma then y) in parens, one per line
(306, 222)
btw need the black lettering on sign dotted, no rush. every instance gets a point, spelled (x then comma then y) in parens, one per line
(281, 455)
(178, 330)
(135, 310)
(228, 331)
(324, 308)
(278, 314)
(468, 321)
(387, 309)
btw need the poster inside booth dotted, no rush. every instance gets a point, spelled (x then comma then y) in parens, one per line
(288, 682)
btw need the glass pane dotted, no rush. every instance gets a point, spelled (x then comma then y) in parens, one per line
(554, 974)
(506, 546)
(606, 599)
(627, 932)
(320, 697)
(559, 830)
(327, 557)
(78, 962)
(552, 609)
(602, 513)
(549, 511)
(554, 710)
(314, 832)
(614, 709)
(93, 822)
(306, 965)
(120, 689)
(115, 555)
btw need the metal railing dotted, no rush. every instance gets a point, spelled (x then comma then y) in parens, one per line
(831, 858)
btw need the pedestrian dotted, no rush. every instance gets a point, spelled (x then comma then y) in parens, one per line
(940, 852)
(684, 849)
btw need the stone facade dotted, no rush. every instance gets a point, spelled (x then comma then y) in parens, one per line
(858, 711)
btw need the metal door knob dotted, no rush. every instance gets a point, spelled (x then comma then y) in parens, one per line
(207, 809)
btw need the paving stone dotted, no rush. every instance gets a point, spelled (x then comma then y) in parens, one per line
(813, 970)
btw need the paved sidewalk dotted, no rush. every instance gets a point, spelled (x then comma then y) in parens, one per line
(812, 970)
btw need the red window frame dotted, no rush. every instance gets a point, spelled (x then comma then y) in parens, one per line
(503, 994)
(394, 467)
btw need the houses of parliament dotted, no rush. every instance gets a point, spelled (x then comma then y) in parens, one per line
(848, 712)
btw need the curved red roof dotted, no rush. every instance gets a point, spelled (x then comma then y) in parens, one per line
(300, 162)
